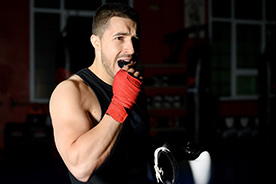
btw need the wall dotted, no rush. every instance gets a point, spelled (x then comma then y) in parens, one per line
(158, 18)
(14, 62)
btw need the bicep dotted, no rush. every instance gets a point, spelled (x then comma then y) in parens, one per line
(69, 119)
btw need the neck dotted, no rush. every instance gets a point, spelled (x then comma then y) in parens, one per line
(99, 70)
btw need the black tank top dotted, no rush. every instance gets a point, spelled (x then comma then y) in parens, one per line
(128, 159)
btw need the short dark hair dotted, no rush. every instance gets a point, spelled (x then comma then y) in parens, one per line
(109, 10)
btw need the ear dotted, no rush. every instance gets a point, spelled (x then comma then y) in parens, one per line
(95, 41)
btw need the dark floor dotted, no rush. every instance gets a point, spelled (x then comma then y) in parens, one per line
(228, 168)
(40, 172)
(235, 162)
(32, 174)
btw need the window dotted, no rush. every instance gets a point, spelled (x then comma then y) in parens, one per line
(238, 32)
(52, 24)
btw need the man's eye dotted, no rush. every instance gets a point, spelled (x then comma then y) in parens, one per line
(119, 38)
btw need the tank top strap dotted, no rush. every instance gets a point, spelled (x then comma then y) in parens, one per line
(102, 90)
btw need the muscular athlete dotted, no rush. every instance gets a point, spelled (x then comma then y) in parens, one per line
(101, 144)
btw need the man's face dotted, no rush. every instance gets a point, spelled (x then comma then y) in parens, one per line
(118, 42)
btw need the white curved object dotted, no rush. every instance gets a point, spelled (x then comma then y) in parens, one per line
(201, 168)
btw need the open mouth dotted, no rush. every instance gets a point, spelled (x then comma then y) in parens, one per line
(122, 63)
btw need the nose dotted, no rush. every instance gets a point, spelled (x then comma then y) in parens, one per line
(129, 47)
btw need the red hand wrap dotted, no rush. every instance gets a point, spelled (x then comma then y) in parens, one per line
(125, 91)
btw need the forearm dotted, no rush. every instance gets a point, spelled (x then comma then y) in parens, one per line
(90, 150)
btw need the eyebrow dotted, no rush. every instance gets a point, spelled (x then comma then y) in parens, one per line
(124, 34)
(121, 34)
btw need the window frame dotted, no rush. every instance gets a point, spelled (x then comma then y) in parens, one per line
(235, 72)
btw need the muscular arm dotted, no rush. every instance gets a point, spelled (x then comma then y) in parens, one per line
(82, 147)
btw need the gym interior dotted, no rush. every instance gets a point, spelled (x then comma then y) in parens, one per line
(208, 68)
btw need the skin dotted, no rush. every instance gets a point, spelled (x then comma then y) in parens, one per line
(83, 141)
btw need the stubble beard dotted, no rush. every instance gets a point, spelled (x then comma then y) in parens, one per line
(107, 65)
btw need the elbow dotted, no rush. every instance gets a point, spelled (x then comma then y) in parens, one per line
(81, 173)
(81, 169)
(81, 177)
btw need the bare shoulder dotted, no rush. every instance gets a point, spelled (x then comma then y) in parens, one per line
(68, 91)
(72, 100)
(73, 90)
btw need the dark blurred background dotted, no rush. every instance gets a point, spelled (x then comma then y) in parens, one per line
(209, 69)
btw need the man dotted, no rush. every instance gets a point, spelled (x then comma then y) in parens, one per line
(99, 115)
